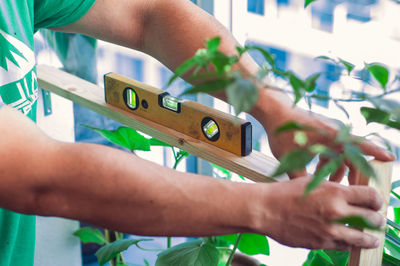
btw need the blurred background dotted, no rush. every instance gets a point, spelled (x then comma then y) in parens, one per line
(357, 31)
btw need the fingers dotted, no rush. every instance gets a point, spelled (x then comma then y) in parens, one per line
(372, 216)
(379, 153)
(339, 174)
(364, 196)
(350, 237)
(353, 174)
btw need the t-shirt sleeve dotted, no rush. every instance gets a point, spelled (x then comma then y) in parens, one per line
(57, 13)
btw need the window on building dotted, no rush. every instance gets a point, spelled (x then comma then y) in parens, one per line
(256, 6)
(129, 66)
(282, 2)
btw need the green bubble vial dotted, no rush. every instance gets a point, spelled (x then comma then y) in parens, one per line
(131, 98)
(171, 103)
(210, 129)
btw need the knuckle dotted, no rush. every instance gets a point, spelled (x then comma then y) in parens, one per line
(338, 191)
(331, 232)
(334, 212)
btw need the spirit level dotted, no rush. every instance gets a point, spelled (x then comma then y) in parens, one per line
(188, 117)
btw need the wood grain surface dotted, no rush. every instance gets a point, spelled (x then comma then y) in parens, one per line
(256, 166)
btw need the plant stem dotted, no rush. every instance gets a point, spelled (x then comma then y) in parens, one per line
(120, 257)
(169, 242)
(178, 159)
(107, 235)
(228, 263)
(108, 239)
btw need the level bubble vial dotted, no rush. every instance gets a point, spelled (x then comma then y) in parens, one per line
(171, 103)
(131, 98)
(211, 129)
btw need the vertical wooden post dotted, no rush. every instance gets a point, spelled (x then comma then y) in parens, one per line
(373, 257)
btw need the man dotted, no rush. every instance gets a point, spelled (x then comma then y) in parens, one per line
(113, 189)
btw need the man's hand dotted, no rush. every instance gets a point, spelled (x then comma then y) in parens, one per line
(307, 222)
(274, 110)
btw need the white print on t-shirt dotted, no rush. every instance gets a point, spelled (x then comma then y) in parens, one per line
(16, 66)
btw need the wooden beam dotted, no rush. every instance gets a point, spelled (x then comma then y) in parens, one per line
(373, 257)
(256, 167)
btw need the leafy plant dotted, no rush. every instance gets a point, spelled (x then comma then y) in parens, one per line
(113, 243)
(384, 111)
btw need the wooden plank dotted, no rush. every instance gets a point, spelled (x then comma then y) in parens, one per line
(373, 257)
(257, 166)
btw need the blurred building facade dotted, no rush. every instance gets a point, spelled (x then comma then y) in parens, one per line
(355, 30)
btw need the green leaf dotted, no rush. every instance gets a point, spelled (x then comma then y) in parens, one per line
(192, 253)
(298, 86)
(125, 137)
(268, 57)
(300, 138)
(325, 256)
(324, 57)
(250, 244)
(379, 72)
(392, 243)
(230, 239)
(311, 82)
(291, 126)
(209, 86)
(389, 260)
(90, 235)
(182, 69)
(318, 148)
(354, 154)
(344, 135)
(253, 244)
(146, 262)
(357, 222)
(396, 215)
(323, 150)
(379, 116)
(110, 251)
(242, 94)
(349, 66)
(307, 2)
(390, 106)
(213, 44)
(182, 153)
(336, 257)
(326, 170)
(293, 161)
(156, 142)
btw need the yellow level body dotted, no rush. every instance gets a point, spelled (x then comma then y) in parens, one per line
(188, 117)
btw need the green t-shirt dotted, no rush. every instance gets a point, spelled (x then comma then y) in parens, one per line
(19, 20)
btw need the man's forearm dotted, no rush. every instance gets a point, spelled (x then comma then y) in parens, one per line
(117, 190)
(113, 188)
